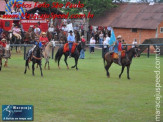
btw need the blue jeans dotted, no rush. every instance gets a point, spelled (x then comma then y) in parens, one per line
(70, 47)
(110, 48)
(101, 42)
(82, 54)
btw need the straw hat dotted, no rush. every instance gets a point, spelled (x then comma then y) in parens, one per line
(3, 40)
(119, 37)
(43, 33)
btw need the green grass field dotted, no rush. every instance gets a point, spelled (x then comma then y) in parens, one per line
(86, 95)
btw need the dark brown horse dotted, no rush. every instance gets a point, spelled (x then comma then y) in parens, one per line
(28, 37)
(125, 62)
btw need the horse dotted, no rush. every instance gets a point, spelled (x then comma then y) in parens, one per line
(49, 36)
(46, 53)
(36, 57)
(75, 55)
(28, 36)
(125, 62)
(13, 40)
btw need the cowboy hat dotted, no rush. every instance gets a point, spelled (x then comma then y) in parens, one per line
(3, 39)
(43, 33)
(70, 31)
(119, 37)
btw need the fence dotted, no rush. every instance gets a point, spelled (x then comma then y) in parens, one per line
(96, 45)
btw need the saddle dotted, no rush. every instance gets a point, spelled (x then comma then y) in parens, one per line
(66, 48)
(115, 55)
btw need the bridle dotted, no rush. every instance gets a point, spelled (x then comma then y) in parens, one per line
(37, 58)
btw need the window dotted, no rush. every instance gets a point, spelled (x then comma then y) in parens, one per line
(161, 30)
(7, 24)
(134, 30)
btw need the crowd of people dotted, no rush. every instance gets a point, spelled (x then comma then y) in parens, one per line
(63, 35)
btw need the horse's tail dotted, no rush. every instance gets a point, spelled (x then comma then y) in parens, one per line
(58, 54)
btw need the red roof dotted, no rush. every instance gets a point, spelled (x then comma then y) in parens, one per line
(131, 15)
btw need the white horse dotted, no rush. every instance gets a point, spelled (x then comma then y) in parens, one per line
(47, 51)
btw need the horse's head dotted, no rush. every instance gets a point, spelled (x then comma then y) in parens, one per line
(136, 51)
(52, 43)
(37, 51)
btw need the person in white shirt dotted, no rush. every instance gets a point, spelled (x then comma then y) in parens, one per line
(36, 15)
(51, 28)
(134, 43)
(101, 38)
(92, 45)
(37, 30)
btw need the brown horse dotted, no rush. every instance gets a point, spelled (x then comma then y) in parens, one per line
(28, 36)
(125, 62)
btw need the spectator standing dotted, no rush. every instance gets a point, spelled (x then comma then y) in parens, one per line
(101, 38)
(134, 43)
(82, 53)
(92, 45)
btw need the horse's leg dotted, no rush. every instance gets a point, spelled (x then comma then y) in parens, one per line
(33, 68)
(121, 71)
(66, 61)
(128, 69)
(59, 61)
(76, 62)
(107, 68)
(26, 64)
(48, 65)
(41, 69)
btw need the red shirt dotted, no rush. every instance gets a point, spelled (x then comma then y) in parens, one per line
(3, 44)
(83, 40)
(119, 46)
(44, 40)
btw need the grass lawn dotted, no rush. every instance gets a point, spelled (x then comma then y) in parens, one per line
(86, 95)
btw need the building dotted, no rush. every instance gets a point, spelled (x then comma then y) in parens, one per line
(133, 21)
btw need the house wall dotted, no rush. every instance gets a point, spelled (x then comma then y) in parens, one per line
(140, 35)
(160, 35)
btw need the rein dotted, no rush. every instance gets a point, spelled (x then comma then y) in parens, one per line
(37, 57)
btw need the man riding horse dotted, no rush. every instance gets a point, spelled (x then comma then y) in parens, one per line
(71, 40)
(118, 48)
(38, 42)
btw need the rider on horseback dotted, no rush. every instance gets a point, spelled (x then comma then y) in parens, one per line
(43, 39)
(38, 42)
(118, 48)
(71, 40)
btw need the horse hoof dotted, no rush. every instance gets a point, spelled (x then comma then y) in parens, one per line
(48, 68)
(119, 77)
(108, 76)
(59, 67)
(129, 78)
